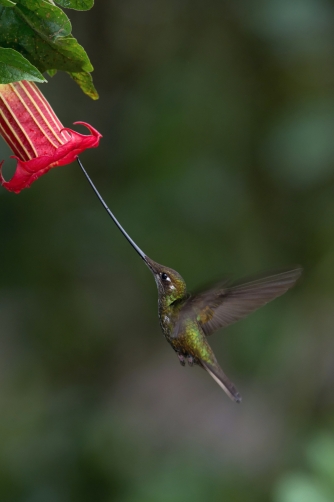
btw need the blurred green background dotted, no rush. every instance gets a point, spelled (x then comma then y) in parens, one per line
(218, 158)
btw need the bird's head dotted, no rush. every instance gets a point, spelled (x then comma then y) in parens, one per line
(171, 285)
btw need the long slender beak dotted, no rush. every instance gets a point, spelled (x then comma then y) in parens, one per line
(146, 259)
(152, 265)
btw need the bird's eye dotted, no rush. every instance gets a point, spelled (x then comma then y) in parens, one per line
(164, 276)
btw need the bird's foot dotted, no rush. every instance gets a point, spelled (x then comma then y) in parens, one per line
(181, 359)
(190, 360)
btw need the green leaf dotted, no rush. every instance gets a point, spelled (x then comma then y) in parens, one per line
(15, 67)
(44, 18)
(52, 72)
(7, 3)
(85, 82)
(41, 32)
(75, 4)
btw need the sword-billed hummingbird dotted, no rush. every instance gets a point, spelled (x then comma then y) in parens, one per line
(187, 320)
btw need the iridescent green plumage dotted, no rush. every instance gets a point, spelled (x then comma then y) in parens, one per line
(186, 320)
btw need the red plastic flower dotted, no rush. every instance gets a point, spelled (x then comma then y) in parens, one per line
(34, 133)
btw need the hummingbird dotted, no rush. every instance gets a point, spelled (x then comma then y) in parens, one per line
(187, 320)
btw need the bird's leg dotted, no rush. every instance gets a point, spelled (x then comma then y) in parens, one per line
(190, 360)
(181, 359)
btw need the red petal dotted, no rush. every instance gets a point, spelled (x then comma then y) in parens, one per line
(27, 122)
(29, 171)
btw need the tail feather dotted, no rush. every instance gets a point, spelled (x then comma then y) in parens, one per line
(223, 381)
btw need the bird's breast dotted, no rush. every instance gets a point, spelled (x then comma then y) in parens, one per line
(166, 324)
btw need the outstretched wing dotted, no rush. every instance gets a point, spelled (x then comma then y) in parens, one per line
(222, 306)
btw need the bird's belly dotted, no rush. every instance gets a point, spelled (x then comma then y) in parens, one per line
(167, 324)
(177, 341)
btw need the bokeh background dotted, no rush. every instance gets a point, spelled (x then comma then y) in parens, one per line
(218, 158)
